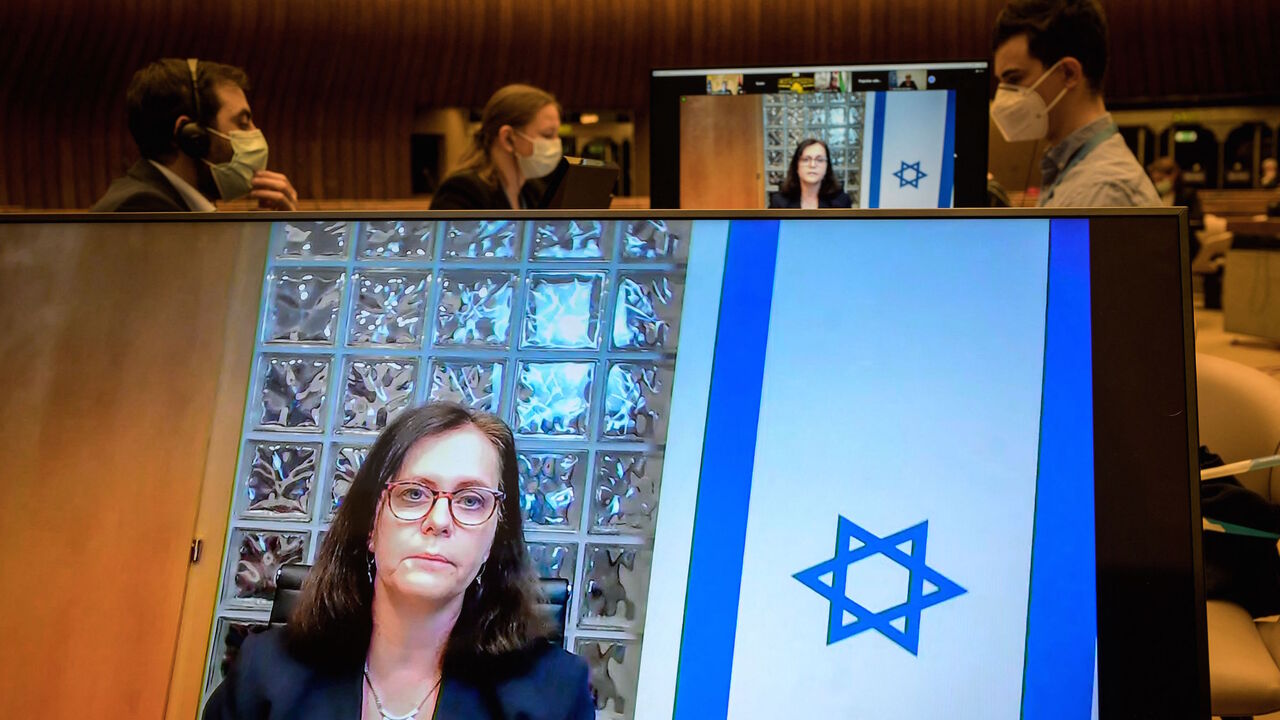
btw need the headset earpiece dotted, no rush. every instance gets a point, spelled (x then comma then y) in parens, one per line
(191, 138)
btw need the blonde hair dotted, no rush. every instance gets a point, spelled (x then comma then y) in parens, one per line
(514, 105)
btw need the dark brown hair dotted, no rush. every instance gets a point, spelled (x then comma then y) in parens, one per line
(333, 622)
(515, 105)
(1056, 29)
(790, 187)
(161, 92)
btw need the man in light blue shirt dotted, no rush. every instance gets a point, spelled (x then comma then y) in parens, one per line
(1050, 58)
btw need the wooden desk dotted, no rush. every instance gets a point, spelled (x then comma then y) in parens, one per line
(1255, 227)
(1236, 203)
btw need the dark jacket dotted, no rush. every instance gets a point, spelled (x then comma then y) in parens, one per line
(270, 683)
(465, 190)
(839, 200)
(1242, 569)
(142, 189)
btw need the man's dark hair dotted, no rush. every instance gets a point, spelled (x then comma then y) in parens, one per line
(333, 621)
(1056, 29)
(161, 92)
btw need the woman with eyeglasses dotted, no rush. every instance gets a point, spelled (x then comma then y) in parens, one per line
(810, 182)
(421, 603)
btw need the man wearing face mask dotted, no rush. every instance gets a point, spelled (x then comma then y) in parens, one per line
(194, 129)
(1050, 58)
(517, 144)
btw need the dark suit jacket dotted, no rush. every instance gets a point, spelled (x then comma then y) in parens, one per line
(466, 191)
(142, 189)
(842, 200)
(267, 682)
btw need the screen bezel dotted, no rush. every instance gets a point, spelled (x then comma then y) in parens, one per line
(972, 125)
(1150, 582)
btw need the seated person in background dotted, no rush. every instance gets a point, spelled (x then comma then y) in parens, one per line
(1050, 59)
(1269, 177)
(908, 83)
(1167, 178)
(518, 141)
(192, 123)
(422, 601)
(810, 182)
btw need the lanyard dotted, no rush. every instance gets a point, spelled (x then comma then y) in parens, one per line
(1227, 528)
(1090, 145)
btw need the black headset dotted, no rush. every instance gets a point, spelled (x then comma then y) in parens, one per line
(192, 137)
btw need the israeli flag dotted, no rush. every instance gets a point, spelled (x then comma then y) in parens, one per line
(900, 474)
(912, 149)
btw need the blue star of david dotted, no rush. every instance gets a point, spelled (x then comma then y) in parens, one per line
(854, 543)
(914, 167)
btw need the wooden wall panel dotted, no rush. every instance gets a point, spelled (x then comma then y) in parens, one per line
(338, 82)
(114, 341)
(724, 139)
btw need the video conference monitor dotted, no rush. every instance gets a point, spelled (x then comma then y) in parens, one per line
(893, 465)
(900, 135)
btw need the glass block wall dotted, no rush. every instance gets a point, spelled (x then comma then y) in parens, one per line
(568, 330)
(835, 118)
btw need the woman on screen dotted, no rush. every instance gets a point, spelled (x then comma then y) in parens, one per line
(518, 142)
(810, 183)
(422, 602)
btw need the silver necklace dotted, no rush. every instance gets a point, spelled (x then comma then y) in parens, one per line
(378, 701)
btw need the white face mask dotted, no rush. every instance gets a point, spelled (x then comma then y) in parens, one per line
(545, 157)
(1020, 113)
(234, 178)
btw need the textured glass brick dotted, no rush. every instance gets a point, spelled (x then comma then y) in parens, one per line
(389, 308)
(475, 309)
(550, 487)
(375, 391)
(476, 384)
(483, 240)
(647, 316)
(625, 495)
(563, 311)
(281, 481)
(570, 240)
(326, 239)
(553, 398)
(346, 463)
(636, 401)
(294, 390)
(614, 587)
(258, 555)
(553, 559)
(613, 671)
(396, 240)
(660, 240)
(304, 305)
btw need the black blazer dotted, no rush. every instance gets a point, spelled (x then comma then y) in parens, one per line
(142, 189)
(267, 682)
(841, 200)
(466, 191)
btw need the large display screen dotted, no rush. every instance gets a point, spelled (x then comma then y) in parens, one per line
(890, 464)
(896, 136)
(890, 424)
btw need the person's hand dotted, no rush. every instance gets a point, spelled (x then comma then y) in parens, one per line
(273, 191)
